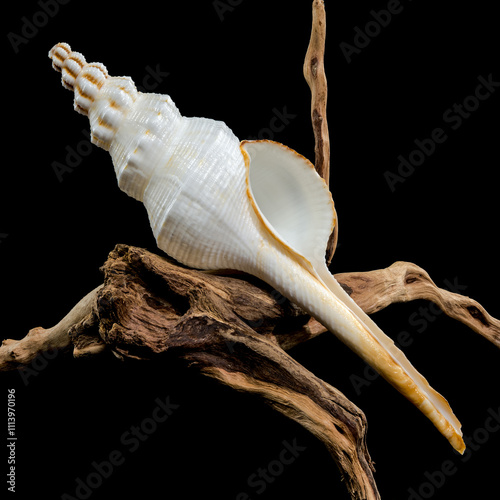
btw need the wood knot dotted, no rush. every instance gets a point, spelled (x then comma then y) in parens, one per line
(346, 288)
(412, 278)
(477, 314)
(314, 66)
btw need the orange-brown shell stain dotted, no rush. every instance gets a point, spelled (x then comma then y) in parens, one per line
(104, 124)
(92, 79)
(60, 59)
(67, 69)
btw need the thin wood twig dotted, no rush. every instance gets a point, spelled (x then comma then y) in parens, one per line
(314, 73)
(404, 282)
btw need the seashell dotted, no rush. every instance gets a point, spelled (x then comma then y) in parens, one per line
(255, 206)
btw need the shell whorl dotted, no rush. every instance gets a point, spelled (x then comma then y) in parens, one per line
(105, 100)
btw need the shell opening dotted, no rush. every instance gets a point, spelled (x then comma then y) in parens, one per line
(286, 194)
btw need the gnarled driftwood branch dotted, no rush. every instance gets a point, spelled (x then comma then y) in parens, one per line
(236, 330)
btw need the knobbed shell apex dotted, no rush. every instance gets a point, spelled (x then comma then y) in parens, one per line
(255, 206)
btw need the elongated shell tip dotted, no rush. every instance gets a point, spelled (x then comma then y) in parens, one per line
(77, 75)
(69, 63)
(58, 53)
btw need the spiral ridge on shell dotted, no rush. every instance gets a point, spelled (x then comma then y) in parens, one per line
(105, 100)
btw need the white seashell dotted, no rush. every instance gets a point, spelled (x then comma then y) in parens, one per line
(258, 207)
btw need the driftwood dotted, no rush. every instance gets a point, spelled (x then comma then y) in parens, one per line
(263, 310)
(236, 329)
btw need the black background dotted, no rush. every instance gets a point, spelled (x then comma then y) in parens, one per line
(238, 66)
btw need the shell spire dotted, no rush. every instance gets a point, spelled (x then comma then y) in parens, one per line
(104, 99)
